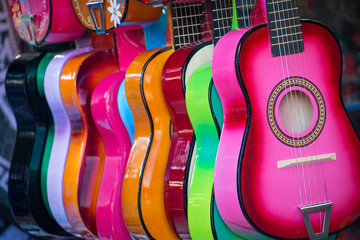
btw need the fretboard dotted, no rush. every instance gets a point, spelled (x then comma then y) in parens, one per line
(284, 27)
(221, 15)
(243, 10)
(187, 21)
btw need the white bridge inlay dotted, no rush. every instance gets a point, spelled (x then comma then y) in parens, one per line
(306, 160)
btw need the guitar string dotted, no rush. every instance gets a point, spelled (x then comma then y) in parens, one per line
(291, 91)
(191, 21)
(307, 150)
(293, 94)
(318, 191)
(287, 99)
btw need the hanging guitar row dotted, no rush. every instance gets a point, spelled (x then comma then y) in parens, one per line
(203, 119)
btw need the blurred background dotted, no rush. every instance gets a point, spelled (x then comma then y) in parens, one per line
(342, 16)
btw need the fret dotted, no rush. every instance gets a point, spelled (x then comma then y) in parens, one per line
(186, 35)
(188, 26)
(243, 10)
(278, 2)
(219, 28)
(225, 8)
(286, 35)
(187, 19)
(222, 15)
(284, 27)
(277, 29)
(182, 6)
(293, 41)
(246, 6)
(224, 18)
(273, 12)
(189, 16)
(286, 19)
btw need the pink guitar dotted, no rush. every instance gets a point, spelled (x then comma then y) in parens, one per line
(107, 119)
(37, 21)
(297, 173)
(130, 42)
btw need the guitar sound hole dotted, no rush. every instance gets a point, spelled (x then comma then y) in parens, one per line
(296, 111)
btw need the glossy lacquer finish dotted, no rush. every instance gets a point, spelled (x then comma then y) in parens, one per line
(176, 73)
(152, 122)
(40, 77)
(114, 13)
(86, 154)
(61, 139)
(321, 64)
(154, 37)
(109, 217)
(24, 178)
(200, 86)
(151, 191)
(200, 214)
(224, 188)
(51, 21)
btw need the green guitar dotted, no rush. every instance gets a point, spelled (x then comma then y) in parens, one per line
(205, 112)
(206, 115)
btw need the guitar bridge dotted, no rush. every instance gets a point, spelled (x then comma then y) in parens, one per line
(326, 222)
(91, 5)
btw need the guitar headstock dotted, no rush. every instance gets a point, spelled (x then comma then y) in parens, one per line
(31, 19)
(102, 16)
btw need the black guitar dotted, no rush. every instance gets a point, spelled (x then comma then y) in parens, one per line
(32, 120)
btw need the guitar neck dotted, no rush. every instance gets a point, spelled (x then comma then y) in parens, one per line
(187, 22)
(223, 15)
(284, 27)
(243, 10)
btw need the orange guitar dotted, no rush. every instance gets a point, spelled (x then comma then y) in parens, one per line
(86, 154)
(143, 185)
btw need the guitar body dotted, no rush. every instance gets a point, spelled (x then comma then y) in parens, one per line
(289, 188)
(50, 21)
(176, 73)
(143, 89)
(40, 77)
(61, 139)
(104, 109)
(201, 85)
(154, 37)
(151, 191)
(224, 75)
(32, 122)
(86, 153)
(105, 16)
